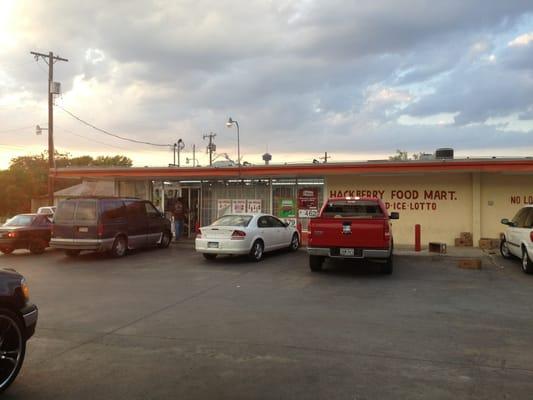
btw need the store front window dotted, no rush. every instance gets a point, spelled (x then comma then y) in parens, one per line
(295, 201)
(234, 197)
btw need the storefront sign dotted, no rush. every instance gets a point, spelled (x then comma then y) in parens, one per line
(223, 207)
(402, 200)
(238, 206)
(253, 206)
(308, 198)
(526, 199)
(287, 209)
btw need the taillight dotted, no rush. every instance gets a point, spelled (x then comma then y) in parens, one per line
(531, 236)
(238, 235)
(386, 230)
(12, 235)
(199, 234)
(100, 229)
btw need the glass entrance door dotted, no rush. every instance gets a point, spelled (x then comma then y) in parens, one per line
(191, 201)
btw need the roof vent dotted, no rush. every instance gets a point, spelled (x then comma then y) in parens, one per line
(267, 157)
(444, 153)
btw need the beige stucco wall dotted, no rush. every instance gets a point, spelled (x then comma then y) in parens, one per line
(502, 195)
(442, 217)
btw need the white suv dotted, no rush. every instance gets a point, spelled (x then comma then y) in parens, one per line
(518, 238)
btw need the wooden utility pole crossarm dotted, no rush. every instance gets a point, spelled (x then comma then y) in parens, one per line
(50, 59)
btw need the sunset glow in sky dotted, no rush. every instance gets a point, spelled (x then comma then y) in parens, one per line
(356, 79)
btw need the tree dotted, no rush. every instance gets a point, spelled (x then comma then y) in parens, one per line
(399, 156)
(404, 156)
(27, 177)
(115, 161)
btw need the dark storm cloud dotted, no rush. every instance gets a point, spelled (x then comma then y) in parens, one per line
(299, 75)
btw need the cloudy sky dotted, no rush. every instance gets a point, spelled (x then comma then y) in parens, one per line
(358, 79)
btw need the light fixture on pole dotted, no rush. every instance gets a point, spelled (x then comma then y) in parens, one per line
(229, 124)
(39, 130)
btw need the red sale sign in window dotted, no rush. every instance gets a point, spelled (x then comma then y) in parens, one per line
(308, 198)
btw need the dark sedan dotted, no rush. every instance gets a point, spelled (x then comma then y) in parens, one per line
(26, 231)
(18, 319)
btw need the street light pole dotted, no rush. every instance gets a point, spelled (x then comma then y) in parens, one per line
(229, 124)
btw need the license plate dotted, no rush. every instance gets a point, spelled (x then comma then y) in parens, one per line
(347, 252)
(212, 245)
(83, 229)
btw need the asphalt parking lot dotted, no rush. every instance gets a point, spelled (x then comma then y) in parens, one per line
(168, 324)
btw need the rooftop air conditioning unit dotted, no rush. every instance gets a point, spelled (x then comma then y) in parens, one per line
(444, 153)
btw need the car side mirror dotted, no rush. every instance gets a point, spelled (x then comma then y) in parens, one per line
(286, 224)
(394, 215)
(505, 221)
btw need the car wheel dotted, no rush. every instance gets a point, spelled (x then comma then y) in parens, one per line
(72, 253)
(7, 250)
(12, 347)
(120, 246)
(209, 256)
(256, 253)
(37, 247)
(295, 242)
(165, 240)
(504, 249)
(388, 266)
(527, 265)
(315, 263)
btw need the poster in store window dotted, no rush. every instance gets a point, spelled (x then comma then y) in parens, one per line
(308, 198)
(253, 206)
(287, 208)
(239, 206)
(223, 207)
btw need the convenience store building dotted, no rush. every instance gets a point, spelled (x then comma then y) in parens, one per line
(446, 197)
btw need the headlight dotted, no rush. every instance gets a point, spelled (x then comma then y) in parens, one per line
(25, 290)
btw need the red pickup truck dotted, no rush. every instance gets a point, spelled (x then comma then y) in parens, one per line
(351, 228)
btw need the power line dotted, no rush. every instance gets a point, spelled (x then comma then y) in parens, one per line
(109, 133)
(13, 147)
(91, 140)
(17, 129)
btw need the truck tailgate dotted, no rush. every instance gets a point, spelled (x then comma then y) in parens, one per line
(368, 233)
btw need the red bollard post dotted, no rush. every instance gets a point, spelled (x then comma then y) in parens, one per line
(417, 237)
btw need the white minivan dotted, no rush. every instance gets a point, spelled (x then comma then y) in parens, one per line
(518, 238)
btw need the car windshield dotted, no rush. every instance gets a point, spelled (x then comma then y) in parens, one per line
(352, 209)
(20, 220)
(233, 220)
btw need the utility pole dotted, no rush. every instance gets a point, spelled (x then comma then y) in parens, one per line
(50, 59)
(211, 147)
(180, 146)
(174, 151)
(325, 158)
(193, 159)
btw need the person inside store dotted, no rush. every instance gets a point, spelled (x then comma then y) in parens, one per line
(179, 216)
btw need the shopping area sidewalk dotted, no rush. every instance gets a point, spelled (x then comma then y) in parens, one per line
(451, 251)
(401, 250)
